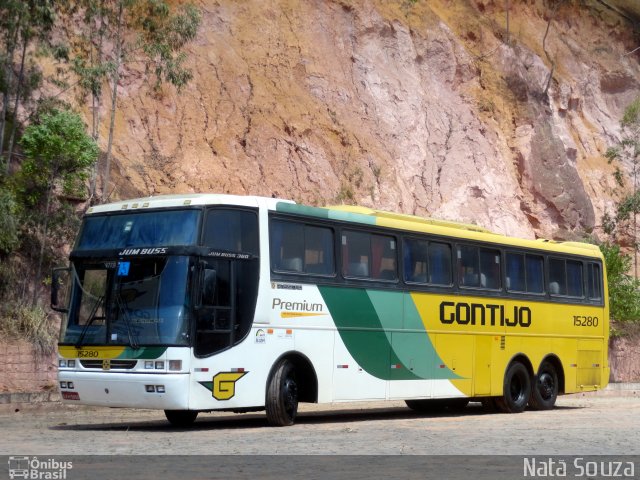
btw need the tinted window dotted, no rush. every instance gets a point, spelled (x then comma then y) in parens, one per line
(524, 273)
(367, 255)
(427, 262)
(232, 230)
(574, 279)
(565, 277)
(296, 247)
(557, 277)
(535, 274)
(479, 267)
(140, 229)
(595, 281)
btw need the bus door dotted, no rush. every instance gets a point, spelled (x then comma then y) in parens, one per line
(216, 319)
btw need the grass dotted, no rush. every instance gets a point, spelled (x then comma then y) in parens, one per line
(18, 320)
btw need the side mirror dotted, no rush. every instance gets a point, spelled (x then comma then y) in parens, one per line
(59, 282)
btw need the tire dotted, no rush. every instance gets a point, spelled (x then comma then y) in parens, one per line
(544, 391)
(516, 389)
(181, 418)
(282, 395)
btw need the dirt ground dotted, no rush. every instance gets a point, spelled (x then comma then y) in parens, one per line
(579, 425)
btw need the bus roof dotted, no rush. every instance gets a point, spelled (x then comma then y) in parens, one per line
(189, 199)
(352, 214)
(445, 228)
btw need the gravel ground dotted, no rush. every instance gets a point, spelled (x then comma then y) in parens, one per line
(579, 425)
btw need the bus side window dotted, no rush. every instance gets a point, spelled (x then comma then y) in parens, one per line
(535, 273)
(515, 273)
(574, 279)
(383, 257)
(479, 267)
(594, 281)
(557, 277)
(300, 248)
(356, 250)
(439, 263)
(368, 255)
(231, 229)
(318, 250)
(287, 246)
(468, 266)
(566, 277)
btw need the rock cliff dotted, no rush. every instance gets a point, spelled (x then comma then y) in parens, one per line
(429, 107)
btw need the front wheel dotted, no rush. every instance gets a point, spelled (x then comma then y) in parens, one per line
(181, 418)
(545, 387)
(516, 389)
(282, 395)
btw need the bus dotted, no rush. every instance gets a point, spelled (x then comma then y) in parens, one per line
(209, 302)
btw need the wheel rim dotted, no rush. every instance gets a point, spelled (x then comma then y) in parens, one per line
(290, 396)
(546, 385)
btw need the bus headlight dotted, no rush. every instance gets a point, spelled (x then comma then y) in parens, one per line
(175, 365)
(62, 363)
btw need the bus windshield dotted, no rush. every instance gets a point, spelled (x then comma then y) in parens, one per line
(143, 301)
(140, 229)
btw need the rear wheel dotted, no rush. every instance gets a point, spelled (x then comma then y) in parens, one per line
(181, 418)
(282, 395)
(545, 387)
(516, 389)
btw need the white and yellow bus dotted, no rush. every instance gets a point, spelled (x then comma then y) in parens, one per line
(206, 302)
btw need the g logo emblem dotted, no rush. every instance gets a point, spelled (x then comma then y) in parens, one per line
(224, 384)
(106, 364)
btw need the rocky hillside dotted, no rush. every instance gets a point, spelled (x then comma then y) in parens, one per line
(430, 107)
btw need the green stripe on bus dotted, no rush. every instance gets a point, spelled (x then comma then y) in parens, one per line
(410, 343)
(360, 329)
(325, 213)
(370, 324)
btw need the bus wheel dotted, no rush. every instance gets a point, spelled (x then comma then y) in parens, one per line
(181, 418)
(282, 395)
(516, 388)
(545, 387)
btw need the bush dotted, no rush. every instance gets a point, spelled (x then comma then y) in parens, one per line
(8, 223)
(624, 290)
(30, 323)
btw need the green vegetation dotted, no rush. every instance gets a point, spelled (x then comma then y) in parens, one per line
(624, 293)
(48, 160)
(622, 227)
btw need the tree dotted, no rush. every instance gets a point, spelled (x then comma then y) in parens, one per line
(624, 293)
(58, 156)
(626, 154)
(141, 31)
(24, 21)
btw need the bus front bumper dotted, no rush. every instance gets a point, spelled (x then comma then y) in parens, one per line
(132, 390)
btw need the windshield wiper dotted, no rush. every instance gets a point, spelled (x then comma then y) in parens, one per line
(123, 307)
(92, 317)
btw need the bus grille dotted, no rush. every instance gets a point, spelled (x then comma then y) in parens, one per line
(113, 364)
